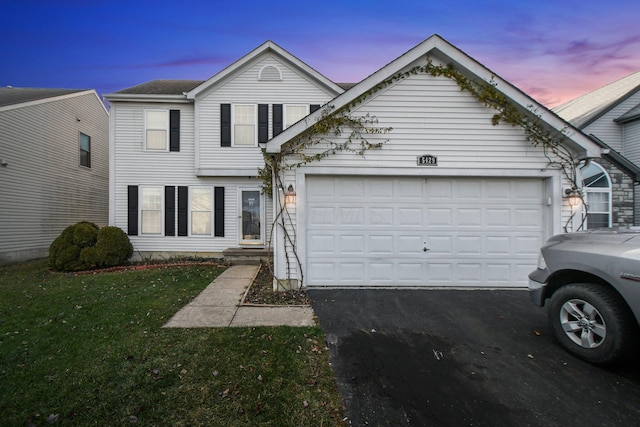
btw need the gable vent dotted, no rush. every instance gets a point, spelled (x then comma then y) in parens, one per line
(270, 73)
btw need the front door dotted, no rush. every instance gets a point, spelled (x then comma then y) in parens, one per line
(251, 217)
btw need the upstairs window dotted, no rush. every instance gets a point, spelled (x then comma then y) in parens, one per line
(244, 125)
(85, 150)
(597, 187)
(294, 113)
(156, 124)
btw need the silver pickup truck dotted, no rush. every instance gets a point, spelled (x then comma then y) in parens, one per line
(592, 282)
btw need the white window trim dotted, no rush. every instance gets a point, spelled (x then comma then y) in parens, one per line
(608, 190)
(166, 139)
(162, 207)
(255, 125)
(211, 211)
(284, 114)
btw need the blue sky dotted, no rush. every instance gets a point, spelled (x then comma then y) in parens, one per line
(554, 50)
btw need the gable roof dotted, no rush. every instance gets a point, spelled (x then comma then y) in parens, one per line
(437, 47)
(267, 46)
(19, 95)
(585, 109)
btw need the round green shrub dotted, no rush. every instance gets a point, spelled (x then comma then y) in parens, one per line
(64, 252)
(113, 247)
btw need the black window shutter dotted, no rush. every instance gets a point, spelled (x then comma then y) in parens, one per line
(132, 210)
(263, 122)
(218, 226)
(174, 130)
(277, 119)
(225, 125)
(169, 211)
(183, 211)
(313, 107)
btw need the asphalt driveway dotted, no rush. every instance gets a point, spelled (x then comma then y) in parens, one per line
(463, 358)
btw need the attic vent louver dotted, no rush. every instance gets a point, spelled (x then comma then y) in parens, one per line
(270, 73)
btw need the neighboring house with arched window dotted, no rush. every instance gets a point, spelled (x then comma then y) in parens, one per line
(611, 116)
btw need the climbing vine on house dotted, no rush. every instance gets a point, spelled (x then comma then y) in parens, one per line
(318, 141)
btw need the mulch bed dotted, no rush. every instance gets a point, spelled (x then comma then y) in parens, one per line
(261, 292)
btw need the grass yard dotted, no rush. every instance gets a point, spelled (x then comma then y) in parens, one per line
(90, 350)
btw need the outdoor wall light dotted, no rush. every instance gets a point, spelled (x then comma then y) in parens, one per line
(290, 196)
(573, 196)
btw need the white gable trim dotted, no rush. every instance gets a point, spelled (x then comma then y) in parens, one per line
(267, 46)
(437, 47)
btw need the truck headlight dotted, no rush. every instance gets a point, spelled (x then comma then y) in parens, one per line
(542, 264)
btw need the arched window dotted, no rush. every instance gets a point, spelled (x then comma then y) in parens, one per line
(597, 188)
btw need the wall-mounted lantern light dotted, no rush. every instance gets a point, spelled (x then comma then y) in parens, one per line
(290, 196)
(573, 196)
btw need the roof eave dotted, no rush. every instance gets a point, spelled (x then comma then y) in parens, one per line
(128, 97)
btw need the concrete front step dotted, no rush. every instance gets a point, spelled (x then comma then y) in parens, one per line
(247, 256)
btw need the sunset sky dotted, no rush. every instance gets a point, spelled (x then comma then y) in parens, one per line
(554, 50)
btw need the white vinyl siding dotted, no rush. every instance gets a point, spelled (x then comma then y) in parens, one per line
(244, 118)
(201, 210)
(156, 130)
(44, 188)
(159, 169)
(245, 88)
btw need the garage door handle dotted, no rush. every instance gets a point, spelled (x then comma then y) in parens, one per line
(425, 249)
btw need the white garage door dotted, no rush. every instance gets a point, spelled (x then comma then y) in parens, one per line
(374, 231)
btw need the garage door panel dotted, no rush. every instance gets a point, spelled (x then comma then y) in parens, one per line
(378, 245)
(371, 231)
(468, 217)
(439, 217)
(380, 216)
(409, 244)
(351, 245)
(469, 245)
(498, 272)
(321, 215)
(351, 271)
(351, 216)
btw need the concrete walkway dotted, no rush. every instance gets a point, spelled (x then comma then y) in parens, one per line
(218, 306)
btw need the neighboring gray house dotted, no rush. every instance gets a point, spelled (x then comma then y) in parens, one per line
(54, 167)
(611, 114)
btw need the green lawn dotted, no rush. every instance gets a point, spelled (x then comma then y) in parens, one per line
(90, 350)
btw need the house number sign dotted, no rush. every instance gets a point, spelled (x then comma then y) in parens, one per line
(427, 160)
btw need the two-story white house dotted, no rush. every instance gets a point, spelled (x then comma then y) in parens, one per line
(54, 167)
(449, 199)
(185, 154)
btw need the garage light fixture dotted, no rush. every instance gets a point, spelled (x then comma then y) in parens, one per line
(290, 196)
(573, 196)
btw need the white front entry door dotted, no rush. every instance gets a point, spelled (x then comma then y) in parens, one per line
(251, 218)
(377, 231)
